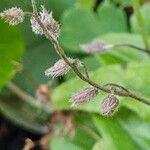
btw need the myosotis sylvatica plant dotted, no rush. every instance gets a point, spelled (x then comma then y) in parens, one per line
(43, 23)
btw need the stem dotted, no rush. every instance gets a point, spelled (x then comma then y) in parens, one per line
(34, 7)
(118, 86)
(136, 6)
(62, 54)
(27, 74)
(140, 99)
(21, 94)
(25, 96)
(90, 131)
(134, 47)
(28, 14)
(84, 66)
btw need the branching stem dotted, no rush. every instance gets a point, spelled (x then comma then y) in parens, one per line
(134, 47)
(62, 54)
(26, 97)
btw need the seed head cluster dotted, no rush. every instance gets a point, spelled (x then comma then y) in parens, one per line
(48, 21)
(84, 95)
(109, 105)
(35, 26)
(13, 15)
(59, 69)
(95, 47)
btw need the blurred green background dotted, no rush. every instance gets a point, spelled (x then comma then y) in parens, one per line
(25, 56)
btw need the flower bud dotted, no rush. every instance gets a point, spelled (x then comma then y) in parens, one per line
(49, 22)
(95, 46)
(84, 95)
(59, 69)
(35, 26)
(13, 15)
(109, 105)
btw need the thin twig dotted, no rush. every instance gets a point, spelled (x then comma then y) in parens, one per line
(25, 96)
(118, 86)
(90, 131)
(134, 47)
(82, 64)
(28, 14)
(35, 11)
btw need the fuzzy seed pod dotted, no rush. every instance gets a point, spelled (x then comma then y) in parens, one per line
(49, 22)
(35, 26)
(84, 95)
(109, 105)
(59, 69)
(95, 46)
(13, 15)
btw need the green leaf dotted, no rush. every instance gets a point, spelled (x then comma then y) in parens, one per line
(11, 49)
(145, 9)
(133, 77)
(122, 54)
(80, 25)
(122, 131)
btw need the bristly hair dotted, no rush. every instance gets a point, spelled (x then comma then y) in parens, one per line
(109, 105)
(95, 46)
(13, 15)
(59, 69)
(84, 95)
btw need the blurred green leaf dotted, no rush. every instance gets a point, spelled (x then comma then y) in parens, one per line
(145, 10)
(11, 50)
(100, 145)
(80, 25)
(23, 114)
(122, 131)
(35, 61)
(63, 144)
(84, 127)
(133, 77)
(122, 54)
(123, 2)
(87, 3)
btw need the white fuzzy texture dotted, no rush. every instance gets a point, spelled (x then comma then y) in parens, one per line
(59, 69)
(109, 105)
(48, 21)
(35, 26)
(84, 95)
(95, 46)
(13, 15)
